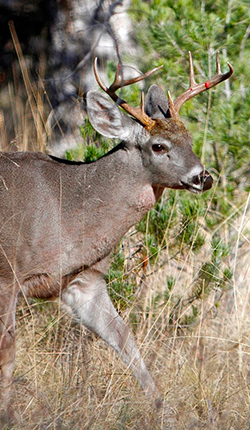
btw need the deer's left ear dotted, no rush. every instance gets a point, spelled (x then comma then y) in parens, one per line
(109, 120)
(156, 103)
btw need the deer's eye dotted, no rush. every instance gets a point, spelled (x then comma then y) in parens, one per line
(159, 147)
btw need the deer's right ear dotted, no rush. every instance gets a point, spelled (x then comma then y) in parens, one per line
(108, 119)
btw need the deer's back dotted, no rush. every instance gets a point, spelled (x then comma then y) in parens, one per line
(38, 196)
(56, 218)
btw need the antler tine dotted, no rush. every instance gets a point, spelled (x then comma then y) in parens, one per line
(118, 83)
(199, 88)
(142, 102)
(218, 68)
(98, 79)
(171, 107)
(118, 79)
(124, 83)
(191, 68)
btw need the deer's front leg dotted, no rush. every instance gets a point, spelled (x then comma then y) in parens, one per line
(88, 298)
(7, 351)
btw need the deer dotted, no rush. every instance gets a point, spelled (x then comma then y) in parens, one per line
(60, 220)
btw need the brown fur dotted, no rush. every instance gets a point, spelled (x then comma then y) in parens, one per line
(43, 286)
(174, 129)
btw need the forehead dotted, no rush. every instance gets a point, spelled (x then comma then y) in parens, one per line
(171, 129)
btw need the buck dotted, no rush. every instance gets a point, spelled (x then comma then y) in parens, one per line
(60, 220)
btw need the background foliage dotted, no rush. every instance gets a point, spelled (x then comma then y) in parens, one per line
(218, 120)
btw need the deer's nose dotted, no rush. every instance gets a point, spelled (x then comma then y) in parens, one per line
(206, 180)
(203, 181)
(198, 183)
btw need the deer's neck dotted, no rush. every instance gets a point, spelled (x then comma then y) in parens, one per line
(118, 194)
(120, 181)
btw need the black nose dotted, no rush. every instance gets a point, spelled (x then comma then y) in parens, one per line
(203, 181)
(206, 180)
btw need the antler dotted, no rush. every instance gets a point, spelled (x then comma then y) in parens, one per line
(136, 112)
(195, 88)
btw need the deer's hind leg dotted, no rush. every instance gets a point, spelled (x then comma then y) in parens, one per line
(87, 296)
(7, 350)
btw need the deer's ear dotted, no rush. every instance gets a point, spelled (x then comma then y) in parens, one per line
(156, 103)
(108, 119)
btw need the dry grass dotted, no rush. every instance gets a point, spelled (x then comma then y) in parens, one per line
(67, 378)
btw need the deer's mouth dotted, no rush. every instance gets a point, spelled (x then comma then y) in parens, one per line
(195, 189)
